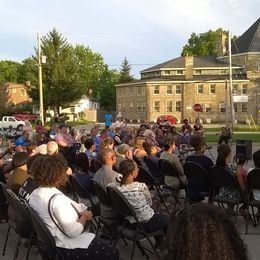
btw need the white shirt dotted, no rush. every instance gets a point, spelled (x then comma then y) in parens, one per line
(64, 214)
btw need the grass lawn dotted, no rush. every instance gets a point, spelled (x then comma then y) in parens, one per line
(254, 136)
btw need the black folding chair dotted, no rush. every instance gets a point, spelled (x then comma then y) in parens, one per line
(45, 241)
(123, 207)
(198, 181)
(253, 182)
(82, 192)
(19, 222)
(147, 178)
(154, 169)
(168, 170)
(221, 178)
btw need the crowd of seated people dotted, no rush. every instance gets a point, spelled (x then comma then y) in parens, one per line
(118, 167)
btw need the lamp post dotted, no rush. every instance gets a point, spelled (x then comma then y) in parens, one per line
(40, 78)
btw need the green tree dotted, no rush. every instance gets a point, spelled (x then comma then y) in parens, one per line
(10, 71)
(125, 71)
(203, 43)
(69, 71)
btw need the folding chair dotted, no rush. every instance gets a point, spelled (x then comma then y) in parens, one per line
(221, 178)
(168, 170)
(147, 178)
(198, 181)
(253, 182)
(123, 207)
(45, 241)
(20, 223)
(154, 169)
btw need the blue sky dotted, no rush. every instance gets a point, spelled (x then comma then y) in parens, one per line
(147, 32)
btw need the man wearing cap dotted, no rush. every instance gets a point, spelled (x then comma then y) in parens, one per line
(123, 152)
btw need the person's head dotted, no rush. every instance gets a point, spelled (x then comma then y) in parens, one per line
(108, 142)
(81, 160)
(202, 232)
(52, 148)
(89, 144)
(185, 121)
(39, 122)
(107, 156)
(256, 159)
(197, 142)
(63, 129)
(129, 170)
(138, 143)
(224, 155)
(241, 159)
(49, 171)
(31, 148)
(169, 145)
(150, 148)
(20, 159)
(26, 134)
(42, 149)
(104, 133)
(125, 150)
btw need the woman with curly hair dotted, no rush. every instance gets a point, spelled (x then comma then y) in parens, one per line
(64, 217)
(203, 232)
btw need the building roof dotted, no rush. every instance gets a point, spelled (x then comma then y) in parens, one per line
(249, 41)
(198, 62)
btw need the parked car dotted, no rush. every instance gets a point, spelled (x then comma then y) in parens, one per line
(27, 116)
(167, 118)
(11, 122)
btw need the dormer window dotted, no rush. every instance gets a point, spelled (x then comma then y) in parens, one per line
(179, 72)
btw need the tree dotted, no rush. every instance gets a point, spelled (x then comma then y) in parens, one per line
(68, 73)
(10, 71)
(125, 71)
(203, 43)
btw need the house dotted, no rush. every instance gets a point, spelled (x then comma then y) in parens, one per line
(175, 86)
(86, 106)
(13, 95)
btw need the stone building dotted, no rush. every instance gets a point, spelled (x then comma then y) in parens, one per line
(175, 86)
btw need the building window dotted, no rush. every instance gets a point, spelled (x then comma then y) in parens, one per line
(179, 72)
(235, 107)
(131, 106)
(244, 107)
(131, 91)
(178, 89)
(143, 91)
(121, 92)
(169, 106)
(198, 72)
(222, 107)
(123, 107)
(156, 106)
(156, 90)
(212, 89)
(178, 106)
(167, 72)
(235, 89)
(139, 91)
(169, 89)
(143, 106)
(22, 91)
(138, 106)
(208, 108)
(200, 89)
(13, 90)
(223, 72)
(244, 89)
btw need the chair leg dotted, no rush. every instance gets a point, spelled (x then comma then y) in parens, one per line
(6, 239)
(17, 248)
(133, 250)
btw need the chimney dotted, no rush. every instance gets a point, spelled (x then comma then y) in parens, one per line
(189, 67)
(222, 44)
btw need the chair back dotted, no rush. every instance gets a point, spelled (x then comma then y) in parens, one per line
(221, 177)
(120, 203)
(198, 179)
(102, 194)
(167, 168)
(95, 165)
(145, 177)
(45, 241)
(153, 167)
(253, 179)
(23, 225)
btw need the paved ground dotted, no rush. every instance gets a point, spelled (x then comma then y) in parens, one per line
(252, 239)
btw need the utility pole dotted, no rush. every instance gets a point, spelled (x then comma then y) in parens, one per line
(40, 78)
(230, 81)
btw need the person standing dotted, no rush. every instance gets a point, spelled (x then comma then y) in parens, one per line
(108, 119)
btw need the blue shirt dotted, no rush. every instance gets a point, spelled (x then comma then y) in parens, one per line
(21, 141)
(108, 119)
